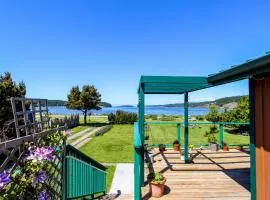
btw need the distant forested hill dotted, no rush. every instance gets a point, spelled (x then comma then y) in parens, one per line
(219, 102)
(63, 103)
(56, 103)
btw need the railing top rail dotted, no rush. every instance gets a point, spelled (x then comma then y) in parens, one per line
(81, 161)
(85, 158)
(192, 122)
(137, 137)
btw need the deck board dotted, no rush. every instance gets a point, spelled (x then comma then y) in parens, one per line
(211, 175)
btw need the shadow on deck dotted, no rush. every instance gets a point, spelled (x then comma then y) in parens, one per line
(215, 175)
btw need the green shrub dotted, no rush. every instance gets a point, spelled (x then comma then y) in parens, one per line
(211, 134)
(122, 117)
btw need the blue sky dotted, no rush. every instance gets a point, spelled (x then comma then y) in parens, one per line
(53, 45)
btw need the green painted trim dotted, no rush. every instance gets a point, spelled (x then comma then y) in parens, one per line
(178, 132)
(141, 131)
(221, 132)
(252, 140)
(199, 145)
(194, 123)
(186, 127)
(137, 160)
(253, 67)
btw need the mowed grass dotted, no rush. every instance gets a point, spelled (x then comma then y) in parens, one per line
(78, 129)
(109, 178)
(166, 134)
(115, 146)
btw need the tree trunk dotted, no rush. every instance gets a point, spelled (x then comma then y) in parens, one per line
(85, 117)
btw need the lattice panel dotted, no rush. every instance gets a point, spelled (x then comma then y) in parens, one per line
(30, 115)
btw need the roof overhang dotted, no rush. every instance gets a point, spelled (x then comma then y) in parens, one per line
(246, 70)
(172, 84)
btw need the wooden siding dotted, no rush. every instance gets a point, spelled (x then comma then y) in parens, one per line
(262, 130)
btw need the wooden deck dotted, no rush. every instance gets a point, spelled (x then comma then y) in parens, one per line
(211, 175)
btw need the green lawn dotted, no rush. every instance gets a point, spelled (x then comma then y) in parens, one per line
(166, 134)
(109, 178)
(115, 146)
(78, 129)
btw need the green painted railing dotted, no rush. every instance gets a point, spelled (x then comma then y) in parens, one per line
(84, 177)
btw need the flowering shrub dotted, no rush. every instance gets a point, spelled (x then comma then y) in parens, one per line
(32, 176)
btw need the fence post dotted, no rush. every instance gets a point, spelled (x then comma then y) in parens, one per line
(221, 131)
(178, 132)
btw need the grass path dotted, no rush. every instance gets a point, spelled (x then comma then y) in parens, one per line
(115, 146)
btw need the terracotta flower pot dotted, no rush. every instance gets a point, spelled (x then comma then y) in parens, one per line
(225, 148)
(176, 147)
(157, 190)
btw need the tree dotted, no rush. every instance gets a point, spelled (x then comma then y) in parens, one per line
(87, 99)
(213, 115)
(239, 113)
(8, 89)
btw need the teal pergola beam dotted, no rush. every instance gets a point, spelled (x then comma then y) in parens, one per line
(186, 126)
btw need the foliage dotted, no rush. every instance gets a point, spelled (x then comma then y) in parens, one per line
(175, 142)
(8, 89)
(190, 146)
(156, 178)
(211, 134)
(153, 117)
(218, 102)
(86, 99)
(69, 121)
(122, 117)
(213, 115)
(63, 103)
(239, 113)
(200, 117)
(32, 176)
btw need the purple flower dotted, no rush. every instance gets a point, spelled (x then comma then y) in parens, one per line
(4, 179)
(43, 196)
(41, 177)
(67, 133)
(41, 153)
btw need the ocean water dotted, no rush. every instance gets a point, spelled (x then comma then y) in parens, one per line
(148, 110)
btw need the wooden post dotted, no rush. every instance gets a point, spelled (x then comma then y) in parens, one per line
(221, 131)
(186, 127)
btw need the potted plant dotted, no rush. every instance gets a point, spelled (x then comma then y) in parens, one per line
(225, 147)
(156, 184)
(212, 140)
(176, 145)
(239, 148)
(190, 148)
(162, 147)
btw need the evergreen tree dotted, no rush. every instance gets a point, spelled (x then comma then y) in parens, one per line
(8, 89)
(87, 99)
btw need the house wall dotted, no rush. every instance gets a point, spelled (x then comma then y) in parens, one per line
(262, 137)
